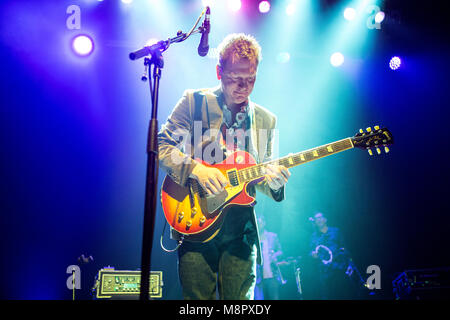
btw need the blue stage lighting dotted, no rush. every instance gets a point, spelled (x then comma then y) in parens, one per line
(234, 5)
(379, 17)
(349, 14)
(264, 6)
(283, 57)
(83, 45)
(395, 63)
(290, 9)
(337, 59)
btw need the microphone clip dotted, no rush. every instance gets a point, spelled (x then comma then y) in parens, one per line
(206, 25)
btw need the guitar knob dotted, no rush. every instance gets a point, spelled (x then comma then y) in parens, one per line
(188, 223)
(181, 215)
(378, 151)
(368, 129)
(377, 127)
(370, 152)
(386, 149)
(202, 220)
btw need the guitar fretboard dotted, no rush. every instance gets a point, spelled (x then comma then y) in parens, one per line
(292, 160)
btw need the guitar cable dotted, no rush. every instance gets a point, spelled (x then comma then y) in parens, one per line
(180, 241)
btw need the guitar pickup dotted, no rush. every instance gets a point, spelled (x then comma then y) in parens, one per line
(233, 177)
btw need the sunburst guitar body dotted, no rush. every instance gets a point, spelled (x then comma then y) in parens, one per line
(197, 215)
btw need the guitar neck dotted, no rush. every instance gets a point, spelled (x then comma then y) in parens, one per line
(293, 160)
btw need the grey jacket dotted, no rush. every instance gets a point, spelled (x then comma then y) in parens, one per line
(179, 143)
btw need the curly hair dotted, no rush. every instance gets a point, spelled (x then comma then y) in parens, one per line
(237, 46)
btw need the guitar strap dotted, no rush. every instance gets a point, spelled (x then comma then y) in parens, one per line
(198, 104)
(199, 97)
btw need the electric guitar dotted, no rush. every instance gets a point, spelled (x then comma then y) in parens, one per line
(199, 216)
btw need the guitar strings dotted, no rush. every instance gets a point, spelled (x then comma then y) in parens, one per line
(256, 171)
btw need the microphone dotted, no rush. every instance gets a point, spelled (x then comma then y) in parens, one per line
(203, 47)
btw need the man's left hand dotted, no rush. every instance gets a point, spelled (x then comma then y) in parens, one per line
(276, 176)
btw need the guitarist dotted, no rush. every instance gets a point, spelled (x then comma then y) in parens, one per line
(228, 122)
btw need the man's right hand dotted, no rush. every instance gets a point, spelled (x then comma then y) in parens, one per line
(211, 179)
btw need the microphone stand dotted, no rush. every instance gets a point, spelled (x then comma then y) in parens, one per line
(156, 60)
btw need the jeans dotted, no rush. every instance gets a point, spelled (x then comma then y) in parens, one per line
(226, 264)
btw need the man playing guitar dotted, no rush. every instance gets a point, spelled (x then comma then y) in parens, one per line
(233, 122)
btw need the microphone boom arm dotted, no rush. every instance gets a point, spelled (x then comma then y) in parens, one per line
(164, 45)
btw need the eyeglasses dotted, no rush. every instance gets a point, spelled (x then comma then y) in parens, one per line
(236, 79)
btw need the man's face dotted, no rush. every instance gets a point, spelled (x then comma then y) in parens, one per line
(238, 80)
(320, 220)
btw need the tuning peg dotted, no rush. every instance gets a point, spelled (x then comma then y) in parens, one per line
(370, 152)
(386, 149)
(378, 151)
(377, 127)
(368, 129)
(361, 131)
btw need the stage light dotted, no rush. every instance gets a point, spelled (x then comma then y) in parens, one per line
(283, 57)
(264, 6)
(234, 5)
(208, 3)
(82, 45)
(337, 59)
(349, 14)
(290, 9)
(379, 17)
(395, 63)
(151, 42)
(127, 1)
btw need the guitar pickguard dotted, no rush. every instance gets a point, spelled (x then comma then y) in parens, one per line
(215, 202)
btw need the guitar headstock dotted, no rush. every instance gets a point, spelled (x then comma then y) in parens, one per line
(373, 138)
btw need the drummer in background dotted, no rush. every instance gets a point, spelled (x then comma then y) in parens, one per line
(268, 278)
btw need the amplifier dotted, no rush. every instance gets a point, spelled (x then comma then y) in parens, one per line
(423, 284)
(125, 284)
